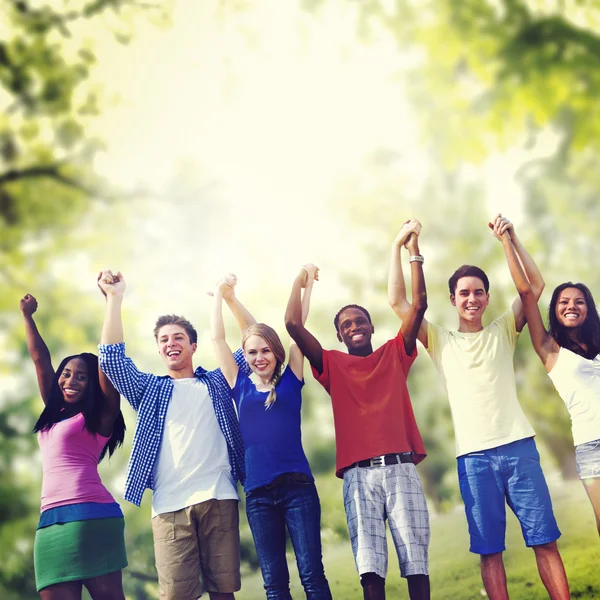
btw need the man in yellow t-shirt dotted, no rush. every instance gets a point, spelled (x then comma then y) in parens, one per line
(496, 454)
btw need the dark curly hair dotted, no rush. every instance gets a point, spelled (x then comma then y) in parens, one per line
(91, 404)
(336, 320)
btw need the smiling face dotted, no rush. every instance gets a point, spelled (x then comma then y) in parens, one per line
(355, 331)
(471, 300)
(73, 380)
(260, 357)
(176, 350)
(571, 308)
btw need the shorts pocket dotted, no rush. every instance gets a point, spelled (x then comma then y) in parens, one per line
(163, 527)
(229, 516)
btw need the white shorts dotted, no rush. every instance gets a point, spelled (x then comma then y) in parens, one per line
(372, 494)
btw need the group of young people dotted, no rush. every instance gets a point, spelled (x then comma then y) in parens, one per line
(199, 432)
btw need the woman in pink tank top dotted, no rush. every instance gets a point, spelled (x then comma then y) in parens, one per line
(80, 537)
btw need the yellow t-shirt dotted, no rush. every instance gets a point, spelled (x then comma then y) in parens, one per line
(478, 374)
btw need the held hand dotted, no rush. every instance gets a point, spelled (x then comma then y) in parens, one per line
(28, 305)
(312, 272)
(225, 287)
(111, 284)
(501, 227)
(411, 228)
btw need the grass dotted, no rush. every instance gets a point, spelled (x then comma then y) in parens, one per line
(454, 570)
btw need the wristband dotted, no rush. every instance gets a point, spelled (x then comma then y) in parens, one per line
(416, 258)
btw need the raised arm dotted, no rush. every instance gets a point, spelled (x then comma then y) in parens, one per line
(295, 316)
(112, 404)
(40, 355)
(115, 365)
(408, 237)
(296, 356)
(242, 315)
(543, 343)
(222, 350)
(533, 274)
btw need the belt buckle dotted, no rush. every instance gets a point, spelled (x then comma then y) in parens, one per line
(377, 461)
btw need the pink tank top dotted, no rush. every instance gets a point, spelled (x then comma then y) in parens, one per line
(70, 464)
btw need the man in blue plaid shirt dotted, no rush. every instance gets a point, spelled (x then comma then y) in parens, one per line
(187, 448)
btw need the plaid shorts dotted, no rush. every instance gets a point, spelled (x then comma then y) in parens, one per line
(372, 494)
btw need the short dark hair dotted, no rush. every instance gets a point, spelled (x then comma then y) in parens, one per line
(176, 320)
(468, 271)
(336, 320)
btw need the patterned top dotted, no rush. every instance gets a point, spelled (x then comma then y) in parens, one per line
(149, 396)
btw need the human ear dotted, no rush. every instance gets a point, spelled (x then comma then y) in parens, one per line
(452, 300)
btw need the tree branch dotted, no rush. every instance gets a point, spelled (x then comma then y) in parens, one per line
(49, 171)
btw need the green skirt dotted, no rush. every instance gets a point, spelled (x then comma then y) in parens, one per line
(78, 550)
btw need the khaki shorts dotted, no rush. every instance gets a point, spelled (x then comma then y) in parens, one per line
(202, 539)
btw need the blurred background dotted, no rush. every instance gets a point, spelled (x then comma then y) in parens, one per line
(180, 140)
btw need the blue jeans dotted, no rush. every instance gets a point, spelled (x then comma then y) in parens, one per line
(294, 505)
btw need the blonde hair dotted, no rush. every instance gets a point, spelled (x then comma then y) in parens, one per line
(272, 339)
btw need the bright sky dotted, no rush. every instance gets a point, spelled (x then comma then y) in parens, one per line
(270, 112)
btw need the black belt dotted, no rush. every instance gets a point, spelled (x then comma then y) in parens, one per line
(386, 459)
(288, 478)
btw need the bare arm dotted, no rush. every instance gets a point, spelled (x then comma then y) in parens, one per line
(40, 355)
(396, 285)
(296, 356)
(543, 343)
(533, 274)
(113, 288)
(112, 404)
(242, 315)
(413, 319)
(294, 323)
(222, 350)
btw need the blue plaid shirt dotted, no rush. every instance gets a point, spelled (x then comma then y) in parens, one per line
(149, 395)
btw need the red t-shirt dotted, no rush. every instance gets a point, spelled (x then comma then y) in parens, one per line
(372, 412)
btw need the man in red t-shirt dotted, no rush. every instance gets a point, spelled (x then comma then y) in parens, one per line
(377, 439)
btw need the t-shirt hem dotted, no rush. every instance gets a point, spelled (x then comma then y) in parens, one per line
(491, 446)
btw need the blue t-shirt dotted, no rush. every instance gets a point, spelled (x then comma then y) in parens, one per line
(272, 437)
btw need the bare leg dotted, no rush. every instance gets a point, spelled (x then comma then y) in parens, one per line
(68, 590)
(494, 576)
(552, 571)
(418, 587)
(373, 586)
(106, 587)
(592, 487)
(220, 596)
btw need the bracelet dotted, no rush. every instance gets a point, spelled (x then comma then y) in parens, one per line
(416, 258)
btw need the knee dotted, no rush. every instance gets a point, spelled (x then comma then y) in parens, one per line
(549, 548)
(372, 580)
(490, 559)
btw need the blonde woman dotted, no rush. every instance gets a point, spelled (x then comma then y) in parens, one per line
(279, 486)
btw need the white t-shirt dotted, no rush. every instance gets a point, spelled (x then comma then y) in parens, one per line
(577, 381)
(478, 374)
(192, 464)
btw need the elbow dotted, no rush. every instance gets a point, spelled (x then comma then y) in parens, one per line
(527, 294)
(292, 326)
(420, 303)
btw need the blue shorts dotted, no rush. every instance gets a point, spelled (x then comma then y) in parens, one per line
(511, 472)
(588, 459)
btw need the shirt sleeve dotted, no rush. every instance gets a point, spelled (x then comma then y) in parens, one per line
(506, 323)
(128, 380)
(434, 339)
(323, 378)
(241, 362)
(238, 388)
(406, 359)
